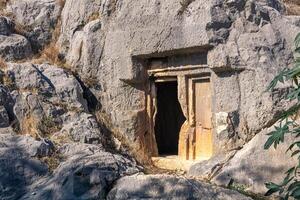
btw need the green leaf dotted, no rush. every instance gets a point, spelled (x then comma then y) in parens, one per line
(290, 186)
(295, 94)
(273, 188)
(277, 136)
(279, 78)
(291, 111)
(297, 40)
(290, 171)
(295, 153)
(296, 193)
(293, 144)
(297, 50)
(286, 197)
(269, 143)
(294, 188)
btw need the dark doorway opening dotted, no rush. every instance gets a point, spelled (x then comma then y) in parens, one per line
(169, 118)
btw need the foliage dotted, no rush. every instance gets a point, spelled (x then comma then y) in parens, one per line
(290, 186)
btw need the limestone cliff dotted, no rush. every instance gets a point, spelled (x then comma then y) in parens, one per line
(77, 105)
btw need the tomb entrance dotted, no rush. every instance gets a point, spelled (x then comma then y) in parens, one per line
(180, 107)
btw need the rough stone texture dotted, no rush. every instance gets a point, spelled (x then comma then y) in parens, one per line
(251, 42)
(86, 50)
(292, 7)
(253, 166)
(51, 81)
(168, 187)
(47, 96)
(258, 46)
(18, 168)
(4, 119)
(87, 173)
(108, 44)
(82, 127)
(14, 47)
(128, 28)
(6, 26)
(38, 19)
(7, 102)
(208, 168)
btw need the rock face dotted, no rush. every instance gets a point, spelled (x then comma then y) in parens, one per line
(6, 26)
(36, 18)
(14, 47)
(168, 187)
(6, 105)
(110, 48)
(82, 128)
(87, 173)
(250, 167)
(250, 42)
(18, 167)
(4, 118)
(253, 166)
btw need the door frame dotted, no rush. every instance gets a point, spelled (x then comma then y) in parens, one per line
(186, 78)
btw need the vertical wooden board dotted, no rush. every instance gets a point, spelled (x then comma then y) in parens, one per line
(203, 104)
(204, 143)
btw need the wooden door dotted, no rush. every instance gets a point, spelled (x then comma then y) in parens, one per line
(203, 116)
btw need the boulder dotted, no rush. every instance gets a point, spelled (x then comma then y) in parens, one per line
(6, 26)
(14, 47)
(208, 168)
(86, 49)
(81, 127)
(252, 166)
(7, 101)
(50, 81)
(43, 94)
(18, 166)
(87, 173)
(37, 18)
(4, 119)
(168, 187)
(73, 22)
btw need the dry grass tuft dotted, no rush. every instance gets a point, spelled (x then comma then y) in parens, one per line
(61, 3)
(38, 128)
(3, 11)
(21, 29)
(3, 4)
(93, 17)
(61, 138)
(51, 161)
(3, 64)
(29, 125)
(292, 6)
(8, 82)
(51, 52)
(47, 126)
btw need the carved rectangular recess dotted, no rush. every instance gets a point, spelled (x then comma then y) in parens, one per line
(192, 76)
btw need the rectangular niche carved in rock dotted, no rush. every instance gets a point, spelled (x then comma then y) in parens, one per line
(180, 106)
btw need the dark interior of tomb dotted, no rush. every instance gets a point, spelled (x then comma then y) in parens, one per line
(169, 118)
